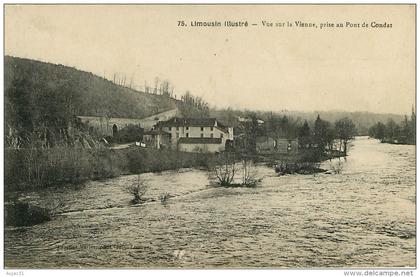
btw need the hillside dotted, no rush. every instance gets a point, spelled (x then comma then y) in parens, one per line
(91, 95)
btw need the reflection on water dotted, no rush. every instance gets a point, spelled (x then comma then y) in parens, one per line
(363, 217)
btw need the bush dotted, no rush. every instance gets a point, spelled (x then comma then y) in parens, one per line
(225, 170)
(107, 163)
(130, 133)
(23, 214)
(164, 198)
(136, 160)
(284, 168)
(137, 190)
(248, 174)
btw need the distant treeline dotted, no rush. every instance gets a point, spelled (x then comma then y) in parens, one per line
(362, 120)
(392, 132)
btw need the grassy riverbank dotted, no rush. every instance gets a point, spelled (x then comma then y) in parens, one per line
(31, 169)
(34, 168)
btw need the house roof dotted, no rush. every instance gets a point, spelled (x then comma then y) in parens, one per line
(193, 122)
(156, 132)
(200, 140)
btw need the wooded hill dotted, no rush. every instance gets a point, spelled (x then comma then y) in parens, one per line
(90, 95)
(42, 100)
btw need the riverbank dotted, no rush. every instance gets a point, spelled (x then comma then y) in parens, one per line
(40, 168)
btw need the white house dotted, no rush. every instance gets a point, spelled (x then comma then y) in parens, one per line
(197, 134)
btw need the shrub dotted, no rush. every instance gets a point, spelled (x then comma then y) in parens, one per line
(248, 174)
(225, 170)
(284, 168)
(23, 214)
(164, 198)
(137, 189)
(107, 163)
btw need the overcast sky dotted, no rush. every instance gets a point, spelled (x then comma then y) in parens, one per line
(305, 69)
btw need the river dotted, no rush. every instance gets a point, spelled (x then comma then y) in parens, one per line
(362, 217)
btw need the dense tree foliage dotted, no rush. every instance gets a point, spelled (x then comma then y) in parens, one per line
(324, 135)
(281, 127)
(305, 137)
(345, 131)
(362, 120)
(316, 140)
(391, 132)
(130, 133)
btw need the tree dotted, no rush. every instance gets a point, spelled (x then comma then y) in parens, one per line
(345, 130)
(251, 132)
(412, 133)
(248, 173)
(137, 189)
(225, 171)
(305, 135)
(378, 131)
(320, 134)
(392, 130)
(194, 106)
(130, 133)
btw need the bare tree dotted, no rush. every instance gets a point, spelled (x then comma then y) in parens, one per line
(346, 130)
(155, 90)
(248, 173)
(225, 171)
(138, 190)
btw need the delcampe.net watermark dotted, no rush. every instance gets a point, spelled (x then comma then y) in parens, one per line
(390, 273)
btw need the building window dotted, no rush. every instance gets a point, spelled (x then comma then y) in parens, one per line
(177, 128)
(187, 135)
(170, 128)
(211, 135)
(211, 129)
(177, 135)
(187, 128)
(221, 135)
(202, 135)
(202, 128)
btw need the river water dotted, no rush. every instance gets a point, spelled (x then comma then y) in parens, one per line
(363, 217)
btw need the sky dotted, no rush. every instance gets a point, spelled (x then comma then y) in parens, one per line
(254, 67)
